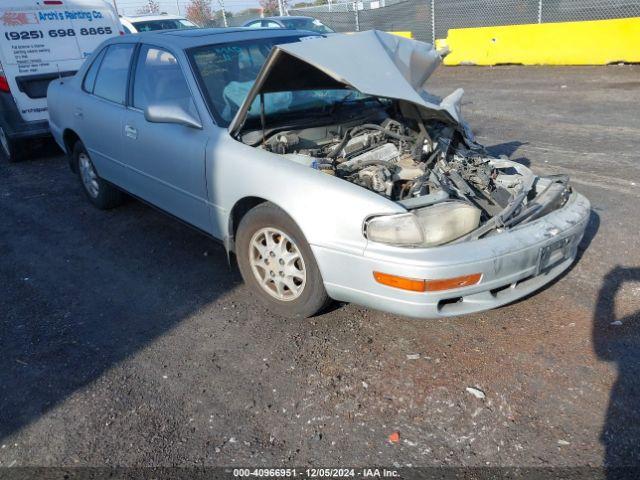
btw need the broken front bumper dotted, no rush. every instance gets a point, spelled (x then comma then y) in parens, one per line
(513, 264)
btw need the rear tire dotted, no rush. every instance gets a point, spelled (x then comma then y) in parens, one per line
(11, 149)
(277, 263)
(99, 192)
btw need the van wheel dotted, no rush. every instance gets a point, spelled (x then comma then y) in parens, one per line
(102, 194)
(277, 264)
(10, 148)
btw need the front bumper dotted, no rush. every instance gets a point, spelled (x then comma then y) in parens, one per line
(513, 264)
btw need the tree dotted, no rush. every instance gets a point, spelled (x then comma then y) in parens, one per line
(200, 12)
(150, 7)
(270, 7)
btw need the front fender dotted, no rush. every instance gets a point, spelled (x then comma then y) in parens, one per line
(329, 211)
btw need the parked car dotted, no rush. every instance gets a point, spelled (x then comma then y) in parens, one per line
(151, 23)
(328, 179)
(42, 41)
(295, 23)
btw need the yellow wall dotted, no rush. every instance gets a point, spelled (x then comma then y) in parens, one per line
(597, 42)
(403, 34)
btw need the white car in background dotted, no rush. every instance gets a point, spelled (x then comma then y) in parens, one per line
(149, 23)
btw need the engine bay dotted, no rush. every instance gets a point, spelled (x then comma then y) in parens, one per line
(418, 164)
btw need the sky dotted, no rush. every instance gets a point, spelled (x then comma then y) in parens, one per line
(130, 7)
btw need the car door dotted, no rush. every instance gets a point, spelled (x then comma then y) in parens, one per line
(167, 160)
(100, 112)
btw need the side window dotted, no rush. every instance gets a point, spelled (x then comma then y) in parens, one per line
(257, 24)
(270, 24)
(90, 77)
(159, 79)
(111, 82)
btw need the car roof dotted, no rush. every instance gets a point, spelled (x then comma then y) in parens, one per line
(145, 18)
(196, 37)
(289, 17)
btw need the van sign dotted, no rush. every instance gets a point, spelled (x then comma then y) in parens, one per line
(46, 39)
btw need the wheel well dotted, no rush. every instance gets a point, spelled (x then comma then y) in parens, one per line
(239, 210)
(69, 137)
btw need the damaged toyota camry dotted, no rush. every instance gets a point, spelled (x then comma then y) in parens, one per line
(322, 163)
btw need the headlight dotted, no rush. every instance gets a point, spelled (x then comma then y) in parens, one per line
(425, 227)
(402, 229)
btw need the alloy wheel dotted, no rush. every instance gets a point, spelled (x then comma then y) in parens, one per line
(88, 175)
(277, 264)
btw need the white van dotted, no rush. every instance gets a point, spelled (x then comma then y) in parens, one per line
(39, 41)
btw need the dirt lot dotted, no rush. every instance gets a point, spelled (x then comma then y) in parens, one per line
(127, 340)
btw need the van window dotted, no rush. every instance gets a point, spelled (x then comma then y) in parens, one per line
(90, 77)
(111, 82)
(159, 79)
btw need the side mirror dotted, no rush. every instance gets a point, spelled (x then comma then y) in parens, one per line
(171, 112)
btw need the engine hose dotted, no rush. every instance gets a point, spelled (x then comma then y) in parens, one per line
(348, 168)
(341, 145)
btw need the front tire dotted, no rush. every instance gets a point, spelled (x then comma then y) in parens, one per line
(100, 193)
(277, 264)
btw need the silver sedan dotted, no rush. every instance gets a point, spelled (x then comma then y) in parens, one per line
(323, 164)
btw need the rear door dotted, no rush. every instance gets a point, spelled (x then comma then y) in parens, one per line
(42, 39)
(100, 113)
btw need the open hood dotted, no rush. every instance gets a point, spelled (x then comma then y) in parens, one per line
(372, 62)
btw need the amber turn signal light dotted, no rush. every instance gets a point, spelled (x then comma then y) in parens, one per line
(451, 283)
(415, 285)
(403, 283)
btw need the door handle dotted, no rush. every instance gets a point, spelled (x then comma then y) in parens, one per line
(130, 132)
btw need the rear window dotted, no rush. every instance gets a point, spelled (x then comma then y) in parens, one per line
(92, 73)
(111, 82)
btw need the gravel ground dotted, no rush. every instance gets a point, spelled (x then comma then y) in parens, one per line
(127, 340)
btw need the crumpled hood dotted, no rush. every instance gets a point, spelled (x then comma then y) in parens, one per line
(372, 62)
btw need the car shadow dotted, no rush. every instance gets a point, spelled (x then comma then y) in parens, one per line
(508, 149)
(617, 340)
(85, 289)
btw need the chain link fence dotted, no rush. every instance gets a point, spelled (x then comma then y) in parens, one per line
(431, 19)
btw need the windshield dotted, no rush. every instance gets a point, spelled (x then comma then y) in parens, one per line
(164, 24)
(311, 24)
(227, 73)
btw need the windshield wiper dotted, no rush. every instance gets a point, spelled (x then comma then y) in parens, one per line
(340, 102)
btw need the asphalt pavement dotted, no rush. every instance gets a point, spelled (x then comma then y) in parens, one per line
(128, 340)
